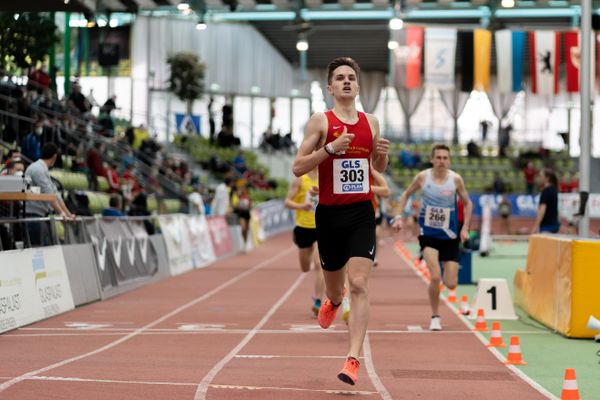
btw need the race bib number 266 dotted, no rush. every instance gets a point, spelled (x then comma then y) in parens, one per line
(437, 217)
(351, 175)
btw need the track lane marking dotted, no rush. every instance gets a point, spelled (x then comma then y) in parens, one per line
(203, 386)
(214, 386)
(383, 392)
(539, 388)
(6, 385)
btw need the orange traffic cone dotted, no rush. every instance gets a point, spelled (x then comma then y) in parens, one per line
(480, 324)
(496, 338)
(514, 352)
(464, 305)
(569, 389)
(452, 296)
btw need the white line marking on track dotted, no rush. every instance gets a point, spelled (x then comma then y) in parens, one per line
(6, 385)
(204, 384)
(482, 339)
(215, 386)
(150, 332)
(269, 356)
(385, 395)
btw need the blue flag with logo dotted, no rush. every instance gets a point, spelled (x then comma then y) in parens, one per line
(187, 123)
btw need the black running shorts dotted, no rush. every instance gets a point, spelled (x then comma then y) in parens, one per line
(343, 232)
(447, 248)
(304, 237)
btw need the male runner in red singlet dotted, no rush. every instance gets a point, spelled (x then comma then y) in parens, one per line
(344, 143)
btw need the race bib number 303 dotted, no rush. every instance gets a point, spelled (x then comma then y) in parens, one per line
(351, 175)
(437, 217)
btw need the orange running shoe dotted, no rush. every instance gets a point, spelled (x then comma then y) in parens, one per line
(327, 312)
(349, 374)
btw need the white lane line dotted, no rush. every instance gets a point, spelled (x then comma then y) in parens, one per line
(269, 356)
(6, 385)
(383, 392)
(151, 332)
(214, 386)
(483, 340)
(205, 383)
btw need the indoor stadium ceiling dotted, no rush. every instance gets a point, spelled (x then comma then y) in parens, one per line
(356, 28)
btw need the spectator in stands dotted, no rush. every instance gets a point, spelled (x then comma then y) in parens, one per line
(38, 79)
(39, 174)
(241, 204)
(547, 215)
(110, 104)
(473, 149)
(221, 202)
(94, 164)
(196, 205)
(112, 177)
(77, 101)
(499, 186)
(129, 183)
(14, 168)
(106, 121)
(505, 212)
(115, 207)
(140, 134)
(139, 208)
(226, 138)
(12, 155)
(239, 162)
(529, 173)
(31, 147)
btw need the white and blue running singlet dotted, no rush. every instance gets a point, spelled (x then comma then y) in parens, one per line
(437, 217)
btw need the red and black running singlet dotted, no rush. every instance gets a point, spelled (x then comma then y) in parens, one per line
(346, 178)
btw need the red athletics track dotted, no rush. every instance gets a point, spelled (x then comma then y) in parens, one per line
(242, 329)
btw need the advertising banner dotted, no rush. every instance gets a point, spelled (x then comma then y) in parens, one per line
(200, 241)
(274, 218)
(220, 235)
(177, 242)
(33, 285)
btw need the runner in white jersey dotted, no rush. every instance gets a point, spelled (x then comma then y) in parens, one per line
(438, 223)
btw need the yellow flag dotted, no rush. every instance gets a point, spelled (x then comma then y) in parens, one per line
(482, 59)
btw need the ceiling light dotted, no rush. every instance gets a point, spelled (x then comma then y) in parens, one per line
(392, 45)
(66, 1)
(101, 23)
(302, 45)
(508, 3)
(113, 23)
(183, 6)
(396, 24)
(200, 26)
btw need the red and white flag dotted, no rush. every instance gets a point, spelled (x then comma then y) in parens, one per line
(571, 44)
(544, 50)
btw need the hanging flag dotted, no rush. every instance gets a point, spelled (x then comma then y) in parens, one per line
(518, 57)
(510, 48)
(571, 41)
(440, 52)
(544, 50)
(483, 56)
(407, 56)
(465, 39)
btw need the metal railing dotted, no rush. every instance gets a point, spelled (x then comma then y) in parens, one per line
(20, 233)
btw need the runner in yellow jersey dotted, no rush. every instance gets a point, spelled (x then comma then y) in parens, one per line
(300, 199)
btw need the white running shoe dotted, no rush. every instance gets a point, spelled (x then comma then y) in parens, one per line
(435, 324)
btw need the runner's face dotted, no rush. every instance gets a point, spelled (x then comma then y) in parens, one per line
(344, 83)
(440, 159)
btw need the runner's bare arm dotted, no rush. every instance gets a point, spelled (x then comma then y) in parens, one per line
(412, 188)
(292, 191)
(307, 158)
(464, 196)
(380, 146)
(379, 186)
